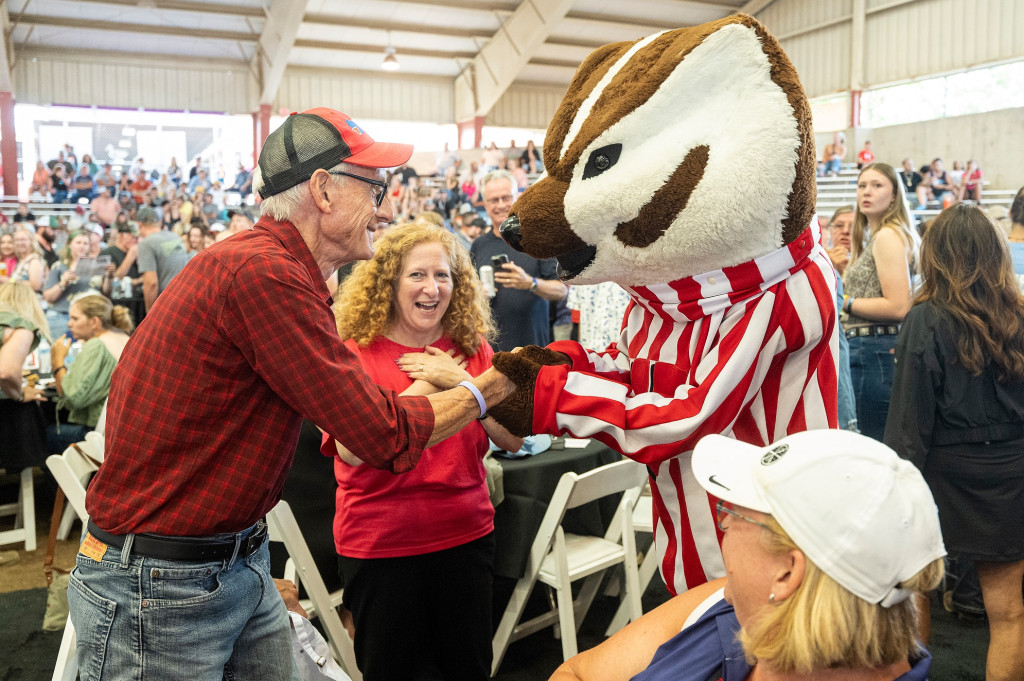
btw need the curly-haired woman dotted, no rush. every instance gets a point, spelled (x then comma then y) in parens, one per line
(416, 550)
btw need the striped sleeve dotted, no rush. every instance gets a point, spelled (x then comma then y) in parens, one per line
(756, 363)
(652, 426)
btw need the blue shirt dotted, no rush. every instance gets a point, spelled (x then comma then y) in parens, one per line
(1017, 255)
(708, 650)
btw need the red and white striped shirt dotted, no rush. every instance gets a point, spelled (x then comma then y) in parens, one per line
(748, 351)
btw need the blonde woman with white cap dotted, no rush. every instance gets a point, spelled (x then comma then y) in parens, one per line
(828, 535)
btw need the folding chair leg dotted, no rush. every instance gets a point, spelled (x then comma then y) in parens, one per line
(24, 514)
(648, 567)
(66, 522)
(513, 611)
(66, 668)
(567, 617)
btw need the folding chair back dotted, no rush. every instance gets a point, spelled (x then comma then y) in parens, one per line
(558, 558)
(73, 471)
(284, 528)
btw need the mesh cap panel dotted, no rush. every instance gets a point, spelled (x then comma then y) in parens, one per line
(303, 144)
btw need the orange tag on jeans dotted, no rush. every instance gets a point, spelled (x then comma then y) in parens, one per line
(92, 547)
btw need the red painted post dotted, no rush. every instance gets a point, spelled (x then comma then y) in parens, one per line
(8, 144)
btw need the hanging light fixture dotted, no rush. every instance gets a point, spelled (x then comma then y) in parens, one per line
(390, 62)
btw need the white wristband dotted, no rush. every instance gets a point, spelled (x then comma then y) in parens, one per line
(476, 393)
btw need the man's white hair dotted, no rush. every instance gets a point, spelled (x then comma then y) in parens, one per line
(284, 206)
(499, 175)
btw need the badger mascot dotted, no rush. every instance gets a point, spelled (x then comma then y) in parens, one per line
(682, 167)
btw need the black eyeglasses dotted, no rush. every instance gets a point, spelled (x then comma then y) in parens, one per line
(379, 198)
(722, 510)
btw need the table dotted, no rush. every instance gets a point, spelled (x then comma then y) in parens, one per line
(529, 484)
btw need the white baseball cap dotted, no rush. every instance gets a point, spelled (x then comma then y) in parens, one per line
(862, 514)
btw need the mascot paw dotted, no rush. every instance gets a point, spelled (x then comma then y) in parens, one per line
(515, 412)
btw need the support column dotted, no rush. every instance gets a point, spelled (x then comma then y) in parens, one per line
(472, 127)
(263, 128)
(8, 144)
(255, 138)
(855, 108)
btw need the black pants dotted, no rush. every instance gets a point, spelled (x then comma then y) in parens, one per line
(417, 609)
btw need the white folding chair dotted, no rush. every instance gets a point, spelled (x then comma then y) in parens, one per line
(93, 446)
(558, 558)
(24, 512)
(321, 604)
(72, 471)
(643, 521)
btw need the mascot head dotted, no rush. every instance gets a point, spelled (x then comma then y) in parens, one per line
(686, 151)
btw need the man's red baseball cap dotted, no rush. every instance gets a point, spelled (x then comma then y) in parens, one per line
(321, 138)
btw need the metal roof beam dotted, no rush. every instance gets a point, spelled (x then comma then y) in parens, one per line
(632, 22)
(279, 32)
(373, 49)
(394, 27)
(182, 6)
(153, 29)
(482, 83)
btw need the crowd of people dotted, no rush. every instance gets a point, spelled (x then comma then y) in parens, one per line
(932, 364)
(398, 376)
(456, 184)
(929, 185)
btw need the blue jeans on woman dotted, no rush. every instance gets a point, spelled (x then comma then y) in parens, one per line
(144, 618)
(872, 365)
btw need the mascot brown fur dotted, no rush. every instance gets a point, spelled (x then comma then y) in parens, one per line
(681, 166)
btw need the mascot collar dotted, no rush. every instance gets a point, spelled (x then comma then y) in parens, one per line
(691, 298)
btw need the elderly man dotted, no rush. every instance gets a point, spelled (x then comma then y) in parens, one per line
(204, 414)
(525, 284)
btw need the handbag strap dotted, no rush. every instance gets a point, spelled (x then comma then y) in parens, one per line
(51, 542)
(87, 456)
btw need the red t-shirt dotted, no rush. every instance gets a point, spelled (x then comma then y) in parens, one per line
(865, 156)
(971, 180)
(441, 503)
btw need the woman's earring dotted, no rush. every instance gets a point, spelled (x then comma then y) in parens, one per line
(771, 598)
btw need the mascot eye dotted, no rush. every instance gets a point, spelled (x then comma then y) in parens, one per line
(601, 160)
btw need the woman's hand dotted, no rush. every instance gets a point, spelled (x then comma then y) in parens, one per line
(59, 351)
(444, 370)
(68, 278)
(30, 393)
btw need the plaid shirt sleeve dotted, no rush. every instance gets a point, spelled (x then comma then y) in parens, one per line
(308, 366)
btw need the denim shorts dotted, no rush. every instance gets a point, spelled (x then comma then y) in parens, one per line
(143, 618)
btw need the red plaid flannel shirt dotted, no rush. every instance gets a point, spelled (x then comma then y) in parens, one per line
(207, 400)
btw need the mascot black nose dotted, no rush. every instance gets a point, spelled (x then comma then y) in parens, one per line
(510, 232)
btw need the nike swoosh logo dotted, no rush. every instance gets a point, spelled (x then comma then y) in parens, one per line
(712, 479)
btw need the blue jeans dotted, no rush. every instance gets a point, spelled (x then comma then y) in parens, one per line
(833, 165)
(847, 401)
(143, 618)
(872, 365)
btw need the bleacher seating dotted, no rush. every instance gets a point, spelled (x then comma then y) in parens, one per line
(841, 190)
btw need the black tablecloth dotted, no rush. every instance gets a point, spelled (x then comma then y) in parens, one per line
(529, 484)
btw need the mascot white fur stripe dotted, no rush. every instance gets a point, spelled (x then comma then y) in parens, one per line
(682, 167)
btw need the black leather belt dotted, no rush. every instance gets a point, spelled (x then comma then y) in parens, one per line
(873, 330)
(189, 549)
